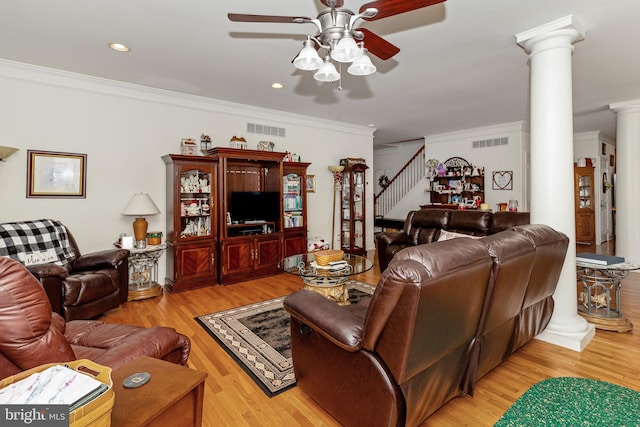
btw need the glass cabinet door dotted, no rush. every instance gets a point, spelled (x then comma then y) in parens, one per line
(293, 200)
(352, 210)
(585, 192)
(358, 210)
(195, 204)
(345, 214)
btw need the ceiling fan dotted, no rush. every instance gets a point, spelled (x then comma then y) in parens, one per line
(338, 35)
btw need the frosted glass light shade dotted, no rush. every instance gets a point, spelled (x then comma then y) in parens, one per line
(327, 72)
(308, 58)
(362, 66)
(346, 50)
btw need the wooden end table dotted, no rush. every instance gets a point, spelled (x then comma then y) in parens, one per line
(173, 396)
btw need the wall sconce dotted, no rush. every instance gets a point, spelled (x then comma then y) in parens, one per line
(5, 152)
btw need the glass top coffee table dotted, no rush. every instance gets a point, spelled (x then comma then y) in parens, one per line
(329, 280)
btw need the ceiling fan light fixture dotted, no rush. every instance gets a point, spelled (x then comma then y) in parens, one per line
(346, 50)
(327, 72)
(308, 58)
(362, 66)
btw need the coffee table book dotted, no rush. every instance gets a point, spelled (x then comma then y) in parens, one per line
(599, 259)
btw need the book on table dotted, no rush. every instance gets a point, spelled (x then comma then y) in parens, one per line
(55, 385)
(599, 259)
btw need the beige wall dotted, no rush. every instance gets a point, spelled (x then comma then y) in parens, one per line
(125, 129)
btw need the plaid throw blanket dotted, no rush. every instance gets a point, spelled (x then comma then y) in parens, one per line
(35, 242)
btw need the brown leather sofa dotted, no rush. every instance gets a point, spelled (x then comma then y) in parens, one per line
(32, 335)
(424, 226)
(81, 286)
(442, 316)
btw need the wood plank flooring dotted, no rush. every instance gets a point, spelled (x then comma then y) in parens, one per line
(232, 399)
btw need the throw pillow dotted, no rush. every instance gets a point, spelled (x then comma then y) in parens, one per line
(448, 235)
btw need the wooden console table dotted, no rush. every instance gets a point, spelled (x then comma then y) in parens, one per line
(173, 396)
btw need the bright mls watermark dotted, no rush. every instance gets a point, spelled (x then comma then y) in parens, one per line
(34, 415)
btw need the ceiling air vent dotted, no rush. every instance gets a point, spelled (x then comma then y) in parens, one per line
(265, 130)
(494, 142)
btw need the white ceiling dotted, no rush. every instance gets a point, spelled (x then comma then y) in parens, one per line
(459, 66)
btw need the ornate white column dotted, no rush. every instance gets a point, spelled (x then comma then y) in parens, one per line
(552, 190)
(627, 159)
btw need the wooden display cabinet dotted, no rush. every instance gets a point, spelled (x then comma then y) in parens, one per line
(353, 210)
(463, 185)
(249, 248)
(191, 221)
(294, 193)
(584, 210)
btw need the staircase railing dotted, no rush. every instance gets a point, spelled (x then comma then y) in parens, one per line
(407, 178)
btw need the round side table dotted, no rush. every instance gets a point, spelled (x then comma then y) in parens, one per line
(599, 300)
(143, 272)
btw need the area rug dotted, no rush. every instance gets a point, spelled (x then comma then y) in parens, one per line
(257, 337)
(568, 401)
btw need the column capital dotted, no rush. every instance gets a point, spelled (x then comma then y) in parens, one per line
(626, 106)
(568, 30)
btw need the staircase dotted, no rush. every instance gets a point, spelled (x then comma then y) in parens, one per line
(408, 177)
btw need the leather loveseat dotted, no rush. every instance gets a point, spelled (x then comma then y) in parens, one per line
(32, 335)
(425, 226)
(442, 316)
(78, 286)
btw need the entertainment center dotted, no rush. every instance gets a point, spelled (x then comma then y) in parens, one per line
(226, 215)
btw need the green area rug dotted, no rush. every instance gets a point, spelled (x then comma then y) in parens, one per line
(567, 401)
(257, 337)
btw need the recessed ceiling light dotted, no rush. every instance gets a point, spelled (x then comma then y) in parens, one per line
(371, 125)
(277, 85)
(119, 47)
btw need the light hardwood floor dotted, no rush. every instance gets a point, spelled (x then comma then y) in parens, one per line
(232, 399)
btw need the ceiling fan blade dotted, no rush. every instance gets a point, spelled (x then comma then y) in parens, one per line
(377, 45)
(241, 17)
(388, 8)
(338, 3)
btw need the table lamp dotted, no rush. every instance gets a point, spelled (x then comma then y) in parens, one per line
(140, 205)
(6, 152)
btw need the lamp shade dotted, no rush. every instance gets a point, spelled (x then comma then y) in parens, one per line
(327, 72)
(346, 50)
(362, 66)
(140, 205)
(6, 152)
(308, 58)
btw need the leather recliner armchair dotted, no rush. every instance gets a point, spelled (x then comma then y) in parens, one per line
(81, 286)
(32, 335)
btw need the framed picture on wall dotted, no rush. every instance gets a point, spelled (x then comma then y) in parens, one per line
(310, 183)
(52, 174)
(502, 180)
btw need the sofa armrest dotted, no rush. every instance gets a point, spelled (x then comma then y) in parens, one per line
(337, 324)
(394, 238)
(110, 258)
(40, 271)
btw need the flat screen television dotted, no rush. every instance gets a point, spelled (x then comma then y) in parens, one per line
(255, 206)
